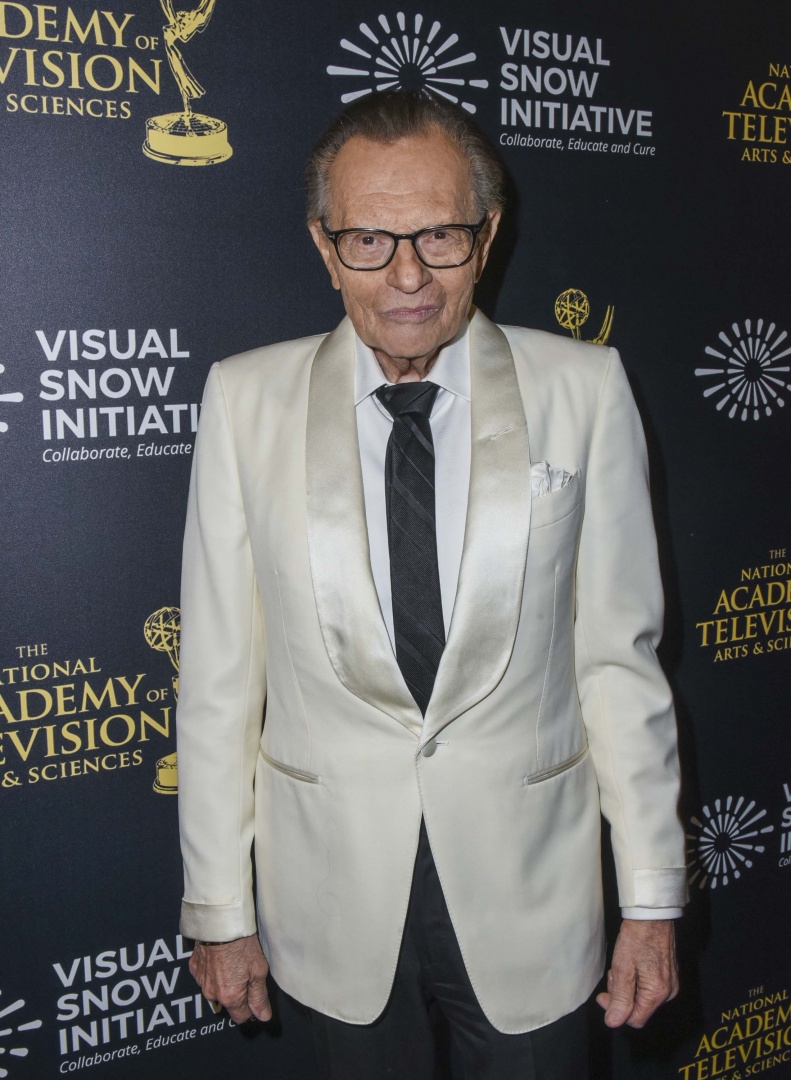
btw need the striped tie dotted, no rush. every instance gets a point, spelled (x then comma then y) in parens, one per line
(412, 536)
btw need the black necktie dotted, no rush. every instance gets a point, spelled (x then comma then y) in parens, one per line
(412, 536)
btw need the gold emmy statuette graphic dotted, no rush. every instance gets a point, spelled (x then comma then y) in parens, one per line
(186, 138)
(162, 631)
(167, 779)
(572, 310)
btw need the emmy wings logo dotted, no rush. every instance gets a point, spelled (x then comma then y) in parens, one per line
(572, 309)
(13, 1035)
(749, 379)
(724, 841)
(162, 631)
(407, 54)
(186, 137)
(14, 397)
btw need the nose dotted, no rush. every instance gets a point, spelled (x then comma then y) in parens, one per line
(406, 272)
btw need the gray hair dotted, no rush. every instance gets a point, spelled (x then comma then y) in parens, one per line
(399, 114)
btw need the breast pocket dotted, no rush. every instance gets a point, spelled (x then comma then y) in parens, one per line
(549, 509)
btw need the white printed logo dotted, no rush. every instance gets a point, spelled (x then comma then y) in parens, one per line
(723, 844)
(3, 426)
(398, 58)
(749, 379)
(14, 1033)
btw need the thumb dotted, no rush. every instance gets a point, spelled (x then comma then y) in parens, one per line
(618, 1003)
(258, 998)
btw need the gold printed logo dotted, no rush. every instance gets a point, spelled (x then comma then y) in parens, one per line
(750, 1038)
(572, 309)
(162, 631)
(762, 119)
(186, 138)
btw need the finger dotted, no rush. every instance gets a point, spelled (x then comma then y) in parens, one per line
(604, 997)
(195, 968)
(238, 1010)
(240, 1016)
(649, 998)
(644, 1008)
(622, 994)
(258, 1000)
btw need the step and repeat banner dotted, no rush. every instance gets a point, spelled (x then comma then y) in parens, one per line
(147, 232)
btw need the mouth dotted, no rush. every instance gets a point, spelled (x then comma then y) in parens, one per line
(411, 314)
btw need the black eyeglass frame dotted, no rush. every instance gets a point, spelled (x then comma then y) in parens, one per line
(474, 230)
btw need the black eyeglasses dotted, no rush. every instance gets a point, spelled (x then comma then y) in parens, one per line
(438, 247)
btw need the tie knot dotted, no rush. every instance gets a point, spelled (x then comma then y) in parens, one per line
(416, 397)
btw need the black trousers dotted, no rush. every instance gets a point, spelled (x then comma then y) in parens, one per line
(430, 976)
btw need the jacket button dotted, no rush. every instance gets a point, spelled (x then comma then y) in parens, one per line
(429, 749)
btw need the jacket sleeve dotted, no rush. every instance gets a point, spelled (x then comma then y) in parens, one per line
(222, 687)
(626, 703)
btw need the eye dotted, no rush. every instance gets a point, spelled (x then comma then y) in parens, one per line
(440, 239)
(368, 241)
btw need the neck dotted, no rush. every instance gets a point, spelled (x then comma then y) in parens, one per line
(401, 369)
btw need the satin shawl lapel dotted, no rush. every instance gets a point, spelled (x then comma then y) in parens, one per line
(489, 595)
(351, 621)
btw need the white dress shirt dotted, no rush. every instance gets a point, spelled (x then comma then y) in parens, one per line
(450, 428)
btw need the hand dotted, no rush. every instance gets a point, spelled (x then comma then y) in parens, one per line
(644, 973)
(234, 974)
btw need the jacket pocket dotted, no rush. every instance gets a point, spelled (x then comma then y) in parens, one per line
(289, 770)
(556, 770)
(549, 509)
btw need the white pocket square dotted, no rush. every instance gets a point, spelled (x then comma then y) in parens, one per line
(545, 479)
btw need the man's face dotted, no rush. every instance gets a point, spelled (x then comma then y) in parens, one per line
(405, 311)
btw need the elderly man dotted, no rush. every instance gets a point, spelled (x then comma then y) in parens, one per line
(426, 542)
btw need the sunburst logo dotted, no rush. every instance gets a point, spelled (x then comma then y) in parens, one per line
(14, 1034)
(8, 397)
(724, 843)
(750, 381)
(400, 56)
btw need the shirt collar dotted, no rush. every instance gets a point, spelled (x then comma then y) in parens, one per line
(451, 369)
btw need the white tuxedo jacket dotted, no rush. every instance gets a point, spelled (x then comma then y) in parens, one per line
(549, 702)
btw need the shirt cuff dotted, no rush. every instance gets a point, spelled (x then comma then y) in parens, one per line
(217, 922)
(651, 912)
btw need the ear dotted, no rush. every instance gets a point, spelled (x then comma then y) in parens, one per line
(326, 250)
(487, 236)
